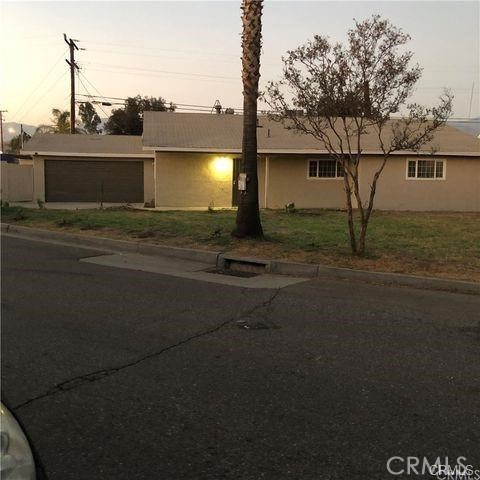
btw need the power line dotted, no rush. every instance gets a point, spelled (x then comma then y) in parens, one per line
(463, 121)
(190, 74)
(150, 75)
(141, 47)
(210, 53)
(187, 107)
(101, 96)
(209, 107)
(197, 107)
(38, 86)
(63, 75)
(96, 89)
(170, 57)
(86, 89)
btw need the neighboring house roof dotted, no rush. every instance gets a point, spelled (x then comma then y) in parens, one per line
(8, 158)
(63, 144)
(470, 126)
(200, 132)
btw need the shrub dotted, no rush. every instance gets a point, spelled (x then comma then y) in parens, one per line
(146, 233)
(290, 207)
(18, 215)
(64, 222)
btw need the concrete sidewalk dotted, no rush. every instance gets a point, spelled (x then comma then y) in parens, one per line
(193, 270)
(224, 260)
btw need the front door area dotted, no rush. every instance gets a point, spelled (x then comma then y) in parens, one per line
(237, 165)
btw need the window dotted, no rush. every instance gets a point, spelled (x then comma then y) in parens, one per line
(412, 168)
(439, 170)
(426, 169)
(325, 169)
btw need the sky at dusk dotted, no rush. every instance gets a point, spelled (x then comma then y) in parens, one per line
(189, 52)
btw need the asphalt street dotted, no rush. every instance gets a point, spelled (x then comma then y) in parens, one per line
(124, 374)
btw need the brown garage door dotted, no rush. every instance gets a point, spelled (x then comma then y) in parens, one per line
(93, 181)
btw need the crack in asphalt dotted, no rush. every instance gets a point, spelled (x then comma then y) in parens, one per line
(50, 272)
(96, 375)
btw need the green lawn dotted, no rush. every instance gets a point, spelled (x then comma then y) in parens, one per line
(440, 244)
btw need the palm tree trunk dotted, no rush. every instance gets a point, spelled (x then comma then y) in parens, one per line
(248, 214)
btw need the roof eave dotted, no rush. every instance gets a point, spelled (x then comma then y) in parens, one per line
(93, 155)
(282, 151)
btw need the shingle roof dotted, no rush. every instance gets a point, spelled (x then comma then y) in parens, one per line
(102, 145)
(170, 131)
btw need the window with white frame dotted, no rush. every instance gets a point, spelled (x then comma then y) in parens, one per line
(426, 169)
(325, 168)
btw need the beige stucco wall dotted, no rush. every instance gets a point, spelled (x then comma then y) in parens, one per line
(288, 182)
(459, 191)
(263, 165)
(148, 181)
(39, 174)
(186, 180)
(25, 161)
(16, 182)
(192, 180)
(38, 179)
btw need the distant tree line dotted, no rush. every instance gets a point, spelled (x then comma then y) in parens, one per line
(127, 120)
(16, 142)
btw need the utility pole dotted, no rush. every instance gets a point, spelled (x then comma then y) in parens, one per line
(72, 46)
(1, 126)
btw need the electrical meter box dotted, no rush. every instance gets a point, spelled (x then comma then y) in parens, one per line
(242, 181)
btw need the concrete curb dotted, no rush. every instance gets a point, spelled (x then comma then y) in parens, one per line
(290, 268)
(110, 244)
(400, 279)
(221, 260)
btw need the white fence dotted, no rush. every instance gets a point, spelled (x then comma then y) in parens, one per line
(16, 182)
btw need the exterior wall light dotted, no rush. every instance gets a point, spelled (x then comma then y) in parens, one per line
(221, 168)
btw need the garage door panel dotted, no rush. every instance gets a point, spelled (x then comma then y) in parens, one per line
(94, 181)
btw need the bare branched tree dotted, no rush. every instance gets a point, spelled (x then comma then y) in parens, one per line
(339, 94)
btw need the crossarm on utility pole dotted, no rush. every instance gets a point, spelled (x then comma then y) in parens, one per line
(72, 46)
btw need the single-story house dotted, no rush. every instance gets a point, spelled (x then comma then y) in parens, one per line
(197, 154)
(91, 168)
(186, 160)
